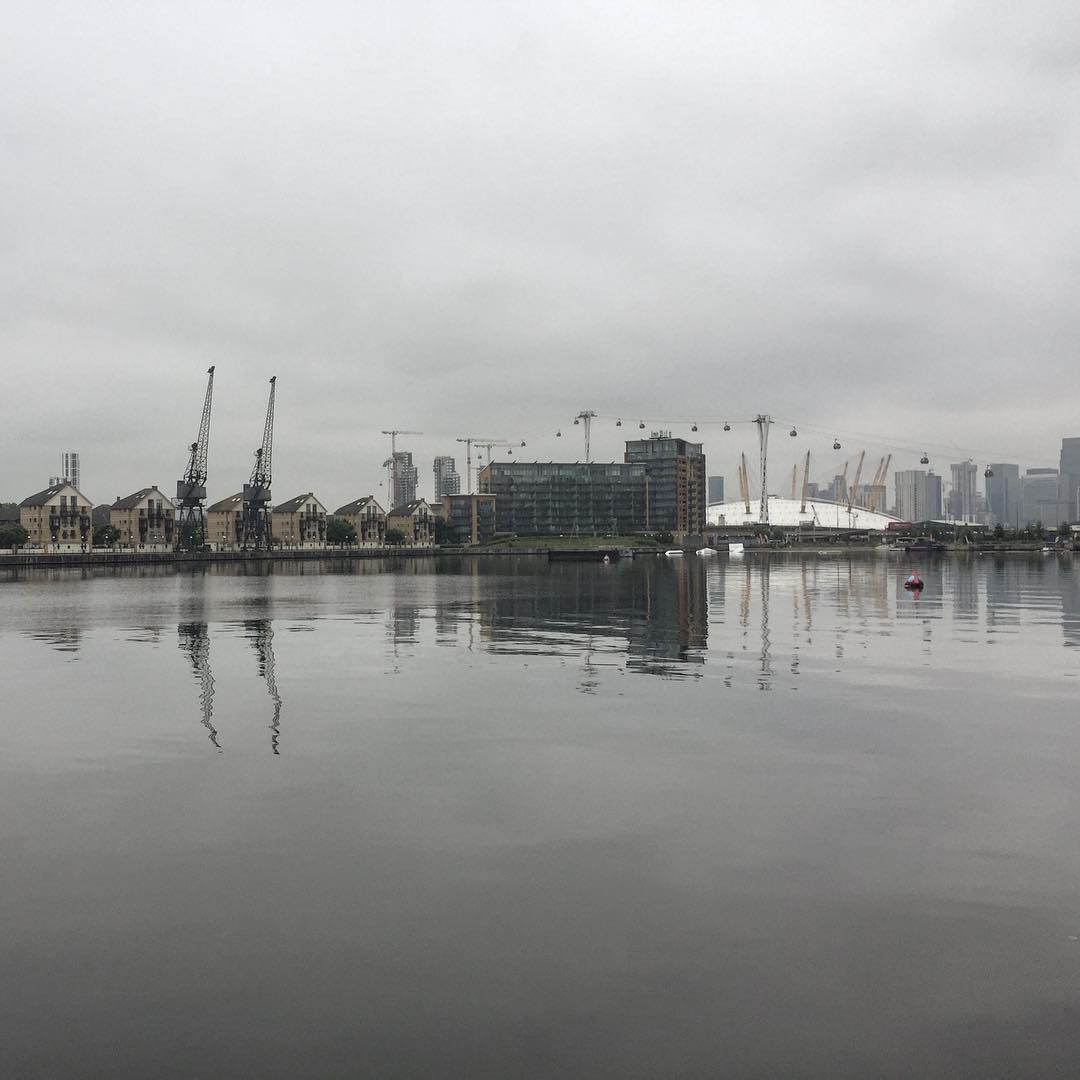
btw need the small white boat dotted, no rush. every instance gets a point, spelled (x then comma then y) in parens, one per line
(706, 551)
(672, 552)
(735, 549)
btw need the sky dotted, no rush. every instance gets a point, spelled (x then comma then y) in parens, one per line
(479, 219)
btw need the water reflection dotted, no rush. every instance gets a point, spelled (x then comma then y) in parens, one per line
(194, 639)
(66, 640)
(261, 634)
(654, 613)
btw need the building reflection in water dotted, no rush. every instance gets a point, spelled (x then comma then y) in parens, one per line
(1004, 592)
(650, 614)
(1070, 600)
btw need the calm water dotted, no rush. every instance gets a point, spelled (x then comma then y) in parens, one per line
(506, 819)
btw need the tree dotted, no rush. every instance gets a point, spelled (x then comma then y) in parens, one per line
(999, 531)
(105, 535)
(1064, 530)
(394, 537)
(13, 535)
(340, 531)
(664, 538)
(445, 533)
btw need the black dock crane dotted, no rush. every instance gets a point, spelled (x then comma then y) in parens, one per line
(255, 524)
(191, 491)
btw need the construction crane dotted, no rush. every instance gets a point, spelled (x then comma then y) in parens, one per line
(475, 440)
(853, 493)
(488, 444)
(191, 491)
(877, 487)
(255, 513)
(388, 464)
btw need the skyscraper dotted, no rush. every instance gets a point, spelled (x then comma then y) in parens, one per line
(911, 495)
(405, 476)
(69, 468)
(1041, 491)
(1069, 480)
(447, 478)
(935, 506)
(962, 506)
(1004, 498)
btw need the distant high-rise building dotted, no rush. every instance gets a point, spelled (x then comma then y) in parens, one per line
(935, 504)
(1040, 496)
(1069, 480)
(447, 478)
(962, 506)
(1004, 497)
(716, 489)
(871, 496)
(911, 495)
(405, 477)
(69, 470)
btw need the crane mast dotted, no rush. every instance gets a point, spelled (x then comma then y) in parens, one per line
(255, 516)
(191, 490)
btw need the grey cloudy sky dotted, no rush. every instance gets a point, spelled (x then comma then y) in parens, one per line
(472, 218)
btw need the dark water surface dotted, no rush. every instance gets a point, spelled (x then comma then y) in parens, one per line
(485, 818)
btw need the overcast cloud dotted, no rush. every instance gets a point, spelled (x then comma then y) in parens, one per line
(479, 219)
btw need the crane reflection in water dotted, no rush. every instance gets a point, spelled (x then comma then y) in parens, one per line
(261, 634)
(194, 640)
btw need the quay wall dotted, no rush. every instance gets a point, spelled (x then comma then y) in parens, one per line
(80, 559)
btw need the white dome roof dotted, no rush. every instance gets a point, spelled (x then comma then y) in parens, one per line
(787, 513)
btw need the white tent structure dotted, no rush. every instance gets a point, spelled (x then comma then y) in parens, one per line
(789, 514)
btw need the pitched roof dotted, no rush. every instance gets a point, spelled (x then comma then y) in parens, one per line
(41, 498)
(408, 509)
(350, 509)
(131, 501)
(294, 505)
(233, 502)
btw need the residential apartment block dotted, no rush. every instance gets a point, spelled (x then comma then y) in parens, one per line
(367, 517)
(566, 498)
(58, 517)
(146, 519)
(299, 522)
(225, 522)
(472, 517)
(416, 521)
(675, 471)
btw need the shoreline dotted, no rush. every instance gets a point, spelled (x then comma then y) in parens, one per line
(80, 560)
